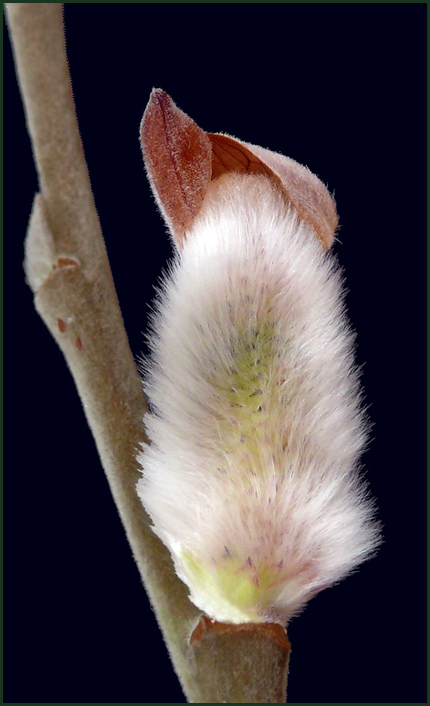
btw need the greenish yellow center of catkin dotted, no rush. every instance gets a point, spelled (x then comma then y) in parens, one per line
(242, 587)
(249, 428)
(249, 396)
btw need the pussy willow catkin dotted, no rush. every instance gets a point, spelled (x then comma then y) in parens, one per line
(255, 421)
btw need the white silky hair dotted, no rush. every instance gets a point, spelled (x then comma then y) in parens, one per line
(255, 422)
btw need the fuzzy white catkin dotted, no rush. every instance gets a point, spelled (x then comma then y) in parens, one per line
(255, 421)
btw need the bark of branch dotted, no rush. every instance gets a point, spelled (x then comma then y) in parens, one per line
(68, 269)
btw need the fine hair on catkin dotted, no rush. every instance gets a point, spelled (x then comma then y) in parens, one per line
(256, 423)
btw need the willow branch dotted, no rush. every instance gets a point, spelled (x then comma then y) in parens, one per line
(68, 270)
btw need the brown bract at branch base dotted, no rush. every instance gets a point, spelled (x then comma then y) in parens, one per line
(218, 645)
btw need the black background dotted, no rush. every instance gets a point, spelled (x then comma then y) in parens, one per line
(340, 88)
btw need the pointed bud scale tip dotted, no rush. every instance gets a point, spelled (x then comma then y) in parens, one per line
(181, 161)
(178, 159)
(256, 427)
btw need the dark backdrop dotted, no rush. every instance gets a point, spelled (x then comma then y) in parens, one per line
(340, 88)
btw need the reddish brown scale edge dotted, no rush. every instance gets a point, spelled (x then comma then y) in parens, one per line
(207, 629)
